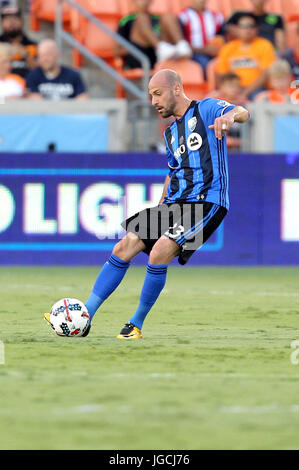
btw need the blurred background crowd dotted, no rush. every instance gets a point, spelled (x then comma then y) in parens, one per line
(240, 51)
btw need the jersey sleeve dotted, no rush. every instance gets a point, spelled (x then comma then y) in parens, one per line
(171, 160)
(212, 108)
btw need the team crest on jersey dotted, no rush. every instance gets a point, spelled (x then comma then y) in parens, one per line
(194, 141)
(223, 103)
(192, 124)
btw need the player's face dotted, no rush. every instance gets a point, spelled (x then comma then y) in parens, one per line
(163, 99)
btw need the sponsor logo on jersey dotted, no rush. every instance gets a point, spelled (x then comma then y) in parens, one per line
(194, 141)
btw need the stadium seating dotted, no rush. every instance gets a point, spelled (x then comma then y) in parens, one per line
(291, 33)
(90, 35)
(191, 73)
(45, 10)
(158, 7)
(291, 10)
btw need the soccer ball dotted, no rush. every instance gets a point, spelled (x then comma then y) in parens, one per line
(69, 317)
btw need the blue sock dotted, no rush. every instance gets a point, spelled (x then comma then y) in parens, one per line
(109, 278)
(153, 284)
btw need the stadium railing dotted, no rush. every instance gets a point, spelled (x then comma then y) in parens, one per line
(61, 35)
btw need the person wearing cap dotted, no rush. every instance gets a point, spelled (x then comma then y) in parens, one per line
(249, 56)
(23, 48)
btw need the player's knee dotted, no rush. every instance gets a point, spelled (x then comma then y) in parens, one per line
(163, 252)
(120, 249)
(128, 247)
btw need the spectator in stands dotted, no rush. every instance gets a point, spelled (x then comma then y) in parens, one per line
(270, 25)
(201, 29)
(11, 85)
(249, 57)
(280, 79)
(24, 49)
(51, 80)
(158, 37)
(292, 56)
(229, 89)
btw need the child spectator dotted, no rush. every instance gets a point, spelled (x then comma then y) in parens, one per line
(280, 78)
(201, 29)
(229, 89)
(23, 48)
(11, 85)
(51, 80)
(249, 56)
(158, 37)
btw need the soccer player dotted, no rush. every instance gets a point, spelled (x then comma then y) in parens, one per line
(194, 200)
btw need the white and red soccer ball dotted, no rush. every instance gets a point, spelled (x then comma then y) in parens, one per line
(69, 317)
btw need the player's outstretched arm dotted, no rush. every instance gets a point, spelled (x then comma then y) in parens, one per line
(223, 123)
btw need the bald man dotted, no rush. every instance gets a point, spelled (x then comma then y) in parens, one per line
(51, 80)
(194, 200)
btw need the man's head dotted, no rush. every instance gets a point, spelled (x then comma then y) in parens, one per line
(11, 21)
(230, 86)
(5, 59)
(280, 76)
(198, 5)
(166, 90)
(258, 5)
(48, 55)
(247, 27)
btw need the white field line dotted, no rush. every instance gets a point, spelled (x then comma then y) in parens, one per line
(42, 375)
(95, 408)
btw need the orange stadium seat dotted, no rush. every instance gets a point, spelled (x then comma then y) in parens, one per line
(291, 33)
(272, 6)
(191, 74)
(90, 35)
(291, 10)
(157, 7)
(45, 10)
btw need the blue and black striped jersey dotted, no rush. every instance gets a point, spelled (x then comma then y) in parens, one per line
(196, 158)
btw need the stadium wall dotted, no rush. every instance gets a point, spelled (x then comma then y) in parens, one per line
(66, 209)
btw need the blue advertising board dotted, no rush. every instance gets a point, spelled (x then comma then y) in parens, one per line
(66, 209)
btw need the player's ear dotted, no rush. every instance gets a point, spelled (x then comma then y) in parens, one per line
(177, 90)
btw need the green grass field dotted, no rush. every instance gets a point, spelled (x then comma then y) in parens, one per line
(213, 370)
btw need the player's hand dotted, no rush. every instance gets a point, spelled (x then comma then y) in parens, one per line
(222, 125)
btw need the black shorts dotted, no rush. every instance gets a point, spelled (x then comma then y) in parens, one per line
(188, 224)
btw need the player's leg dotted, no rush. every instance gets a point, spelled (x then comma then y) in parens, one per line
(113, 271)
(162, 253)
